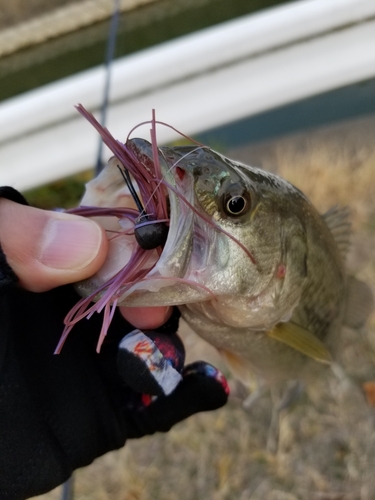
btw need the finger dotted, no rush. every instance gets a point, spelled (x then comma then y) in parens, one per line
(146, 318)
(47, 249)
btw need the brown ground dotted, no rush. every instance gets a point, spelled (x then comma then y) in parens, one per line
(327, 440)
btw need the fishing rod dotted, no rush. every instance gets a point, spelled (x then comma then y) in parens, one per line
(68, 486)
(67, 491)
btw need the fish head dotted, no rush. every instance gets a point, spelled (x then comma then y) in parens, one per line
(235, 250)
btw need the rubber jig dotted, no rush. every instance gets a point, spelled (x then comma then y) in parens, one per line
(148, 232)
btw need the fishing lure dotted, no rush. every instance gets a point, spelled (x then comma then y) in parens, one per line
(143, 231)
(149, 233)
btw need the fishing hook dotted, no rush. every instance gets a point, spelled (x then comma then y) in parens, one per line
(148, 232)
(126, 176)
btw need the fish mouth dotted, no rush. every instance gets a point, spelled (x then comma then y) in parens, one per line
(165, 275)
(170, 281)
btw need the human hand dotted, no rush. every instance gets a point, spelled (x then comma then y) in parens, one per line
(58, 413)
(47, 249)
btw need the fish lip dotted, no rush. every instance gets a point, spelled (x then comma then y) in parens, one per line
(177, 275)
(178, 233)
(175, 256)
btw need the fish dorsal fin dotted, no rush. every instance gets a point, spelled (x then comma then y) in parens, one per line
(338, 222)
(359, 303)
(301, 340)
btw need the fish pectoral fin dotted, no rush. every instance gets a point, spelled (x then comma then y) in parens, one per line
(238, 366)
(359, 303)
(301, 340)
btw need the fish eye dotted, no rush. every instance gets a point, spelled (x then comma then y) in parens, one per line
(236, 200)
(236, 205)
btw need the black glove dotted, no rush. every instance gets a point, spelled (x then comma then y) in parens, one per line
(60, 412)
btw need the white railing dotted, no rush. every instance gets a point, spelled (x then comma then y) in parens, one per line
(197, 82)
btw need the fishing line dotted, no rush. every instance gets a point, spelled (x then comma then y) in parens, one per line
(165, 125)
(111, 45)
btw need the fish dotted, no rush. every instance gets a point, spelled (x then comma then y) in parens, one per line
(253, 267)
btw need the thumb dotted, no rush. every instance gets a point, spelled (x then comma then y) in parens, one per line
(48, 249)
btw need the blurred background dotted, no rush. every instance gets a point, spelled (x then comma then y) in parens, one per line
(288, 86)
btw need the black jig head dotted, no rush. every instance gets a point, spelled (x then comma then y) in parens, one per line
(148, 232)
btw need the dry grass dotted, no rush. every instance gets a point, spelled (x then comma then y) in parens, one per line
(327, 440)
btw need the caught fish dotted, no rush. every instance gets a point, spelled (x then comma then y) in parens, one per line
(253, 267)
